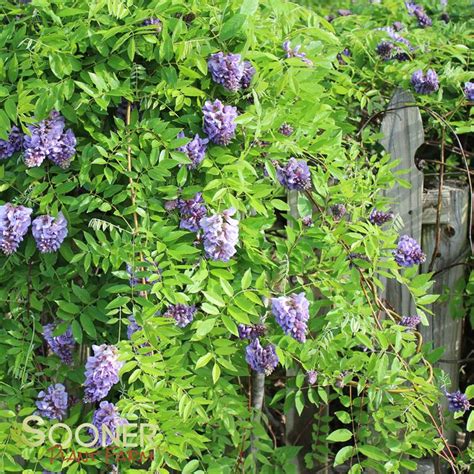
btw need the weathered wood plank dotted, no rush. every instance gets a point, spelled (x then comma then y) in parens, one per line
(403, 134)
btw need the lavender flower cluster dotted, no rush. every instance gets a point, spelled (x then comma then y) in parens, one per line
(220, 235)
(296, 53)
(457, 401)
(312, 377)
(14, 223)
(219, 122)
(292, 314)
(469, 91)
(156, 22)
(408, 252)
(53, 402)
(345, 53)
(295, 175)
(410, 322)
(261, 359)
(48, 139)
(230, 71)
(49, 232)
(251, 332)
(62, 345)
(132, 327)
(195, 150)
(425, 84)
(183, 314)
(101, 372)
(338, 211)
(106, 416)
(12, 145)
(418, 11)
(191, 212)
(286, 129)
(380, 217)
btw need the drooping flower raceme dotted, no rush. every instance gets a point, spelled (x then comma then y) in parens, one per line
(191, 212)
(12, 145)
(14, 223)
(410, 322)
(251, 332)
(221, 235)
(286, 129)
(418, 11)
(227, 70)
(101, 372)
(154, 22)
(62, 345)
(195, 149)
(49, 232)
(311, 377)
(183, 314)
(425, 84)
(219, 122)
(385, 49)
(294, 175)
(261, 359)
(469, 91)
(338, 211)
(48, 139)
(457, 401)
(106, 416)
(247, 76)
(295, 52)
(380, 217)
(408, 252)
(292, 314)
(53, 402)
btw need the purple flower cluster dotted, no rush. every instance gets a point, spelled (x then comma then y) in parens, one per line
(393, 34)
(53, 402)
(469, 91)
(181, 313)
(397, 26)
(12, 145)
(221, 235)
(307, 221)
(219, 122)
(133, 280)
(101, 372)
(49, 232)
(425, 84)
(292, 314)
(251, 332)
(457, 401)
(418, 11)
(338, 211)
(230, 71)
(408, 252)
(153, 22)
(385, 49)
(311, 377)
(410, 322)
(286, 129)
(191, 212)
(106, 415)
(346, 52)
(295, 52)
(48, 139)
(261, 359)
(132, 327)
(62, 345)
(195, 150)
(294, 175)
(380, 217)
(14, 223)
(356, 256)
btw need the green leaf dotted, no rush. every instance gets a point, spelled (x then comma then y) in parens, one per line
(373, 452)
(343, 455)
(76, 331)
(203, 360)
(246, 279)
(339, 436)
(88, 325)
(216, 373)
(232, 26)
(249, 7)
(190, 467)
(470, 422)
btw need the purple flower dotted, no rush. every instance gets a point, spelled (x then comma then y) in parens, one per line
(292, 314)
(294, 175)
(338, 211)
(221, 235)
(181, 313)
(153, 22)
(380, 217)
(311, 377)
(62, 345)
(340, 56)
(307, 221)
(49, 232)
(356, 256)
(227, 70)
(14, 223)
(469, 91)
(457, 401)
(219, 123)
(410, 322)
(344, 12)
(106, 415)
(12, 145)
(385, 49)
(408, 252)
(48, 139)
(261, 359)
(251, 332)
(195, 150)
(101, 372)
(418, 11)
(133, 280)
(191, 212)
(397, 26)
(392, 34)
(425, 84)
(286, 129)
(247, 76)
(53, 403)
(132, 327)
(444, 17)
(295, 52)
